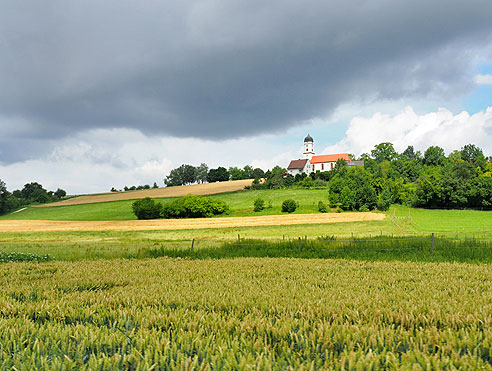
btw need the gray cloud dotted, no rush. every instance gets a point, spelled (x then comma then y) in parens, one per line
(222, 69)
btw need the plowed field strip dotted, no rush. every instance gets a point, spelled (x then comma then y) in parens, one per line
(174, 224)
(179, 191)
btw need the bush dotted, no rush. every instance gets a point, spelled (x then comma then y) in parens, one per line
(259, 204)
(147, 208)
(289, 206)
(193, 207)
(319, 183)
(384, 200)
(322, 207)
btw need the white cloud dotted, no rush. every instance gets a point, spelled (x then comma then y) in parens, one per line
(96, 160)
(483, 79)
(441, 128)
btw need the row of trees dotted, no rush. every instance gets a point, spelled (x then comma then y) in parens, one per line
(31, 193)
(135, 188)
(463, 179)
(189, 174)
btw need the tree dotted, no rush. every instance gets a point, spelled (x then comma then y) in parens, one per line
(289, 206)
(201, 173)
(257, 173)
(4, 195)
(185, 174)
(409, 154)
(384, 200)
(384, 152)
(33, 190)
(434, 156)
(147, 208)
(347, 199)
(248, 172)
(259, 204)
(189, 174)
(218, 175)
(155, 185)
(60, 193)
(471, 153)
(236, 173)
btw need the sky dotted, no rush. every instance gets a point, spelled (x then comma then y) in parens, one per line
(97, 94)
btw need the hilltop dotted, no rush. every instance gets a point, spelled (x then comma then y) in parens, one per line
(177, 191)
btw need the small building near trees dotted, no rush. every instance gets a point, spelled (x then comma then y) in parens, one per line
(312, 163)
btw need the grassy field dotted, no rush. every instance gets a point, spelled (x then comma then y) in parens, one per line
(179, 191)
(245, 314)
(240, 202)
(360, 295)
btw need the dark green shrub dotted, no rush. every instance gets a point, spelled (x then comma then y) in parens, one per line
(318, 183)
(147, 208)
(193, 207)
(259, 204)
(322, 207)
(384, 200)
(289, 206)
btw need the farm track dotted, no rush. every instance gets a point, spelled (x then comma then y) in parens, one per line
(176, 224)
(179, 191)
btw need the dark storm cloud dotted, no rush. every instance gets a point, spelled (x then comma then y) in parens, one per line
(221, 69)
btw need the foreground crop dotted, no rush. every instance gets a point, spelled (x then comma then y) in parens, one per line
(241, 313)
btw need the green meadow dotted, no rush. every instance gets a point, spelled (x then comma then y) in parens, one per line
(240, 203)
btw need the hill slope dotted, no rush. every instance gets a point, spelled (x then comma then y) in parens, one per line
(195, 189)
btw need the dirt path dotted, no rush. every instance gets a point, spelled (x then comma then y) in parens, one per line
(173, 224)
(179, 191)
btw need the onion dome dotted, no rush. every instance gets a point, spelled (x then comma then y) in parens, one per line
(309, 138)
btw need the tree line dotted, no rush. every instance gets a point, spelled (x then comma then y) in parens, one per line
(463, 179)
(31, 193)
(189, 174)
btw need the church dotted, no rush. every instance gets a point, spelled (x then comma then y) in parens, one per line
(312, 163)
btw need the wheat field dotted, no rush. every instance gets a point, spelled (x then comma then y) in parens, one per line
(180, 224)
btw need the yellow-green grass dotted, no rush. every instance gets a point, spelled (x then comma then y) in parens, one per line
(241, 204)
(245, 314)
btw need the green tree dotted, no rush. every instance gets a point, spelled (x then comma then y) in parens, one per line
(147, 208)
(434, 156)
(60, 193)
(409, 154)
(185, 174)
(257, 173)
(218, 175)
(259, 204)
(236, 173)
(34, 192)
(201, 173)
(384, 200)
(347, 199)
(384, 152)
(471, 153)
(289, 206)
(248, 172)
(4, 195)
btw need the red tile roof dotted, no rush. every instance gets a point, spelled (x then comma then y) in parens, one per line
(330, 158)
(297, 164)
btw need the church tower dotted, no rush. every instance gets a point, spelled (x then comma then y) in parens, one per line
(308, 147)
